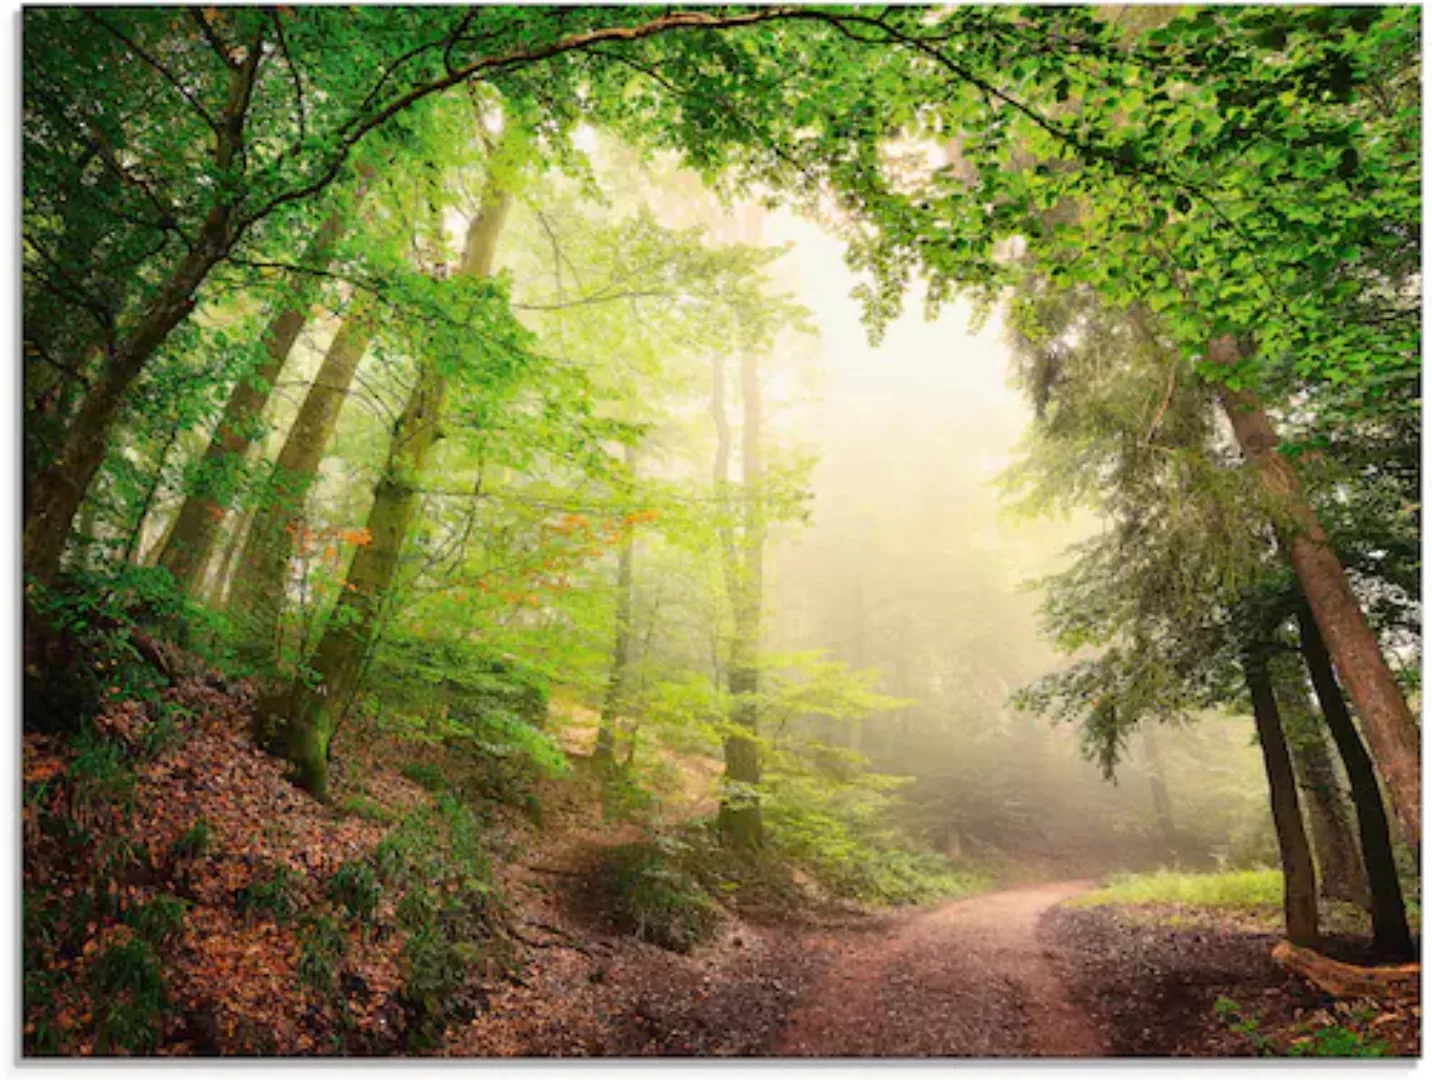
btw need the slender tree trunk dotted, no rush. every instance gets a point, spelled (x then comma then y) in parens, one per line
(1391, 730)
(57, 492)
(308, 714)
(218, 580)
(215, 481)
(261, 585)
(1158, 789)
(1389, 916)
(1300, 891)
(740, 816)
(621, 645)
(1338, 860)
(132, 547)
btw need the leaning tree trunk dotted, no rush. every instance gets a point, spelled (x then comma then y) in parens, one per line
(1391, 730)
(1338, 861)
(57, 492)
(261, 585)
(605, 754)
(302, 720)
(1300, 890)
(212, 489)
(1389, 917)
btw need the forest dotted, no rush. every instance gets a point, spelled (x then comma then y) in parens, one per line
(762, 531)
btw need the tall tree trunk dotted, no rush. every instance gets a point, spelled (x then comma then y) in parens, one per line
(262, 582)
(1389, 916)
(1338, 861)
(739, 820)
(621, 644)
(221, 573)
(1158, 788)
(59, 489)
(215, 480)
(1300, 891)
(156, 480)
(1391, 730)
(307, 715)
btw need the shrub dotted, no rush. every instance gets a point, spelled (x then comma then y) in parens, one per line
(128, 991)
(158, 922)
(1230, 889)
(320, 954)
(193, 841)
(428, 777)
(355, 886)
(367, 808)
(100, 777)
(276, 896)
(654, 899)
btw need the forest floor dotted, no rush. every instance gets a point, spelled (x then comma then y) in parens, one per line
(790, 973)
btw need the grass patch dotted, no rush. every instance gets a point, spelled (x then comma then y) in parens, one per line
(1233, 889)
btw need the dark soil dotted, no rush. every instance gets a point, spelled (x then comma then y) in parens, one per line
(1152, 987)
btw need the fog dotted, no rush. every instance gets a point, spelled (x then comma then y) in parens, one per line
(910, 565)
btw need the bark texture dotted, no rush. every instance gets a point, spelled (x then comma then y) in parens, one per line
(1334, 843)
(213, 487)
(57, 492)
(307, 715)
(1300, 896)
(1389, 916)
(1391, 730)
(262, 580)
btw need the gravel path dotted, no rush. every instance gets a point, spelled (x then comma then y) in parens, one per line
(965, 979)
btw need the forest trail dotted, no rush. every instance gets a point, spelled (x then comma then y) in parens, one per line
(965, 979)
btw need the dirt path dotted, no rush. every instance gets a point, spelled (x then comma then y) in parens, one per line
(965, 979)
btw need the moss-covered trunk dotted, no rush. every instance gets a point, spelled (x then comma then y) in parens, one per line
(309, 712)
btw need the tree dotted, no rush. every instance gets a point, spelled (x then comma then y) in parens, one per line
(1389, 918)
(308, 714)
(187, 547)
(1300, 889)
(275, 97)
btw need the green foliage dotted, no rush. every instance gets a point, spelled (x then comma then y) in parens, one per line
(652, 897)
(160, 921)
(321, 952)
(275, 895)
(194, 841)
(1261, 889)
(838, 832)
(128, 987)
(450, 911)
(368, 808)
(101, 781)
(355, 886)
(429, 777)
(625, 797)
(1326, 1040)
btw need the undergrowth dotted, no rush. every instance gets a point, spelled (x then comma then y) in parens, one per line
(1232, 889)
